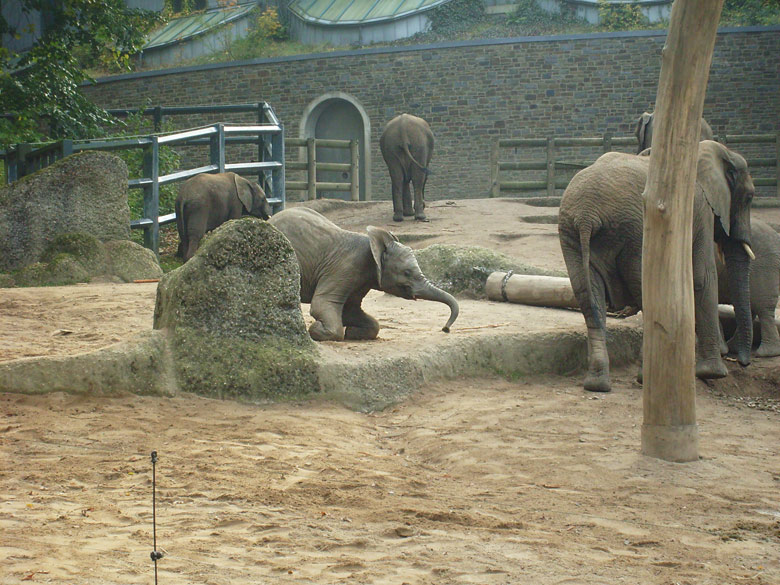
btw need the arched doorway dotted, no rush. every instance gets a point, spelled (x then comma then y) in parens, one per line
(339, 116)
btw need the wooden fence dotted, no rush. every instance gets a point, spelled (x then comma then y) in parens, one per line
(311, 166)
(558, 171)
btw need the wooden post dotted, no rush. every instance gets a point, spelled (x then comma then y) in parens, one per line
(494, 187)
(777, 168)
(551, 166)
(354, 170)
(669, 430)
(311, 168)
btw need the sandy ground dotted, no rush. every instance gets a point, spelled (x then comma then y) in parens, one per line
(470, 481)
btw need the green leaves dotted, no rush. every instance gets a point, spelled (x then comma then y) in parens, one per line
(40, 87)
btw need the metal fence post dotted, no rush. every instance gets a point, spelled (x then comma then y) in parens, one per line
(494, 186)
(22, 150)
(607, 145)
(311, 168)
(152, 195)
(277, 176)
(551, 167)
(217, 148)
(158, 118)
(354, 170)
(777, 167)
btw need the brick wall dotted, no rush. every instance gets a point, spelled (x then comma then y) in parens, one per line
(473, 93)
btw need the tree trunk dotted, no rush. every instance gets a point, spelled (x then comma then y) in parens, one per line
(669, 430)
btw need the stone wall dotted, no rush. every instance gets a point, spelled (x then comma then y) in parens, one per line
(473, 93)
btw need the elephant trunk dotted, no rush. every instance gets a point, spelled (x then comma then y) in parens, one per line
(738, 267)
(429, 292)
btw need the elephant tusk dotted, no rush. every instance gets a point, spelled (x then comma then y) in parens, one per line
(748, 250)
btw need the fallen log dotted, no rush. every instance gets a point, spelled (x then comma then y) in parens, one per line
(530, 289)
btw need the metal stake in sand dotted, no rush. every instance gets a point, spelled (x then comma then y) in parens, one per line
(156, 555)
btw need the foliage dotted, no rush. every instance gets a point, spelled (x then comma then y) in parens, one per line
(531, 19)
(750, 12)
(619, 16)
(43, 83)
(456, 15)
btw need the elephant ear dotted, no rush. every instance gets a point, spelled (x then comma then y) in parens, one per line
(641, 127)
(714, 174)
(380, 241)
(244, 192)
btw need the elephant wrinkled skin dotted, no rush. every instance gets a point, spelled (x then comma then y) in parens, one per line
(207, 201)
(339, 267)
(764, 286)
(600, 229)
(407, 147)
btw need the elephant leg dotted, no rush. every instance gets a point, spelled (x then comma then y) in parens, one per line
(408, 207)
(397, 180)
(358, 323)
(770, 338)
(597, 378)
(724, 347)
(327, 314)
(418, 180)
(709, 363)
(593, 308)
(195, 230)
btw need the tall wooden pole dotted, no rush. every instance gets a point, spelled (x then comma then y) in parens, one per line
(669, 430)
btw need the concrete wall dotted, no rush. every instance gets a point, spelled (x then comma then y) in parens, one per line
(473, 93)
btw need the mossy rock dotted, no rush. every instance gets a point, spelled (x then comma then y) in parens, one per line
(85, 249)
(234, 315)
(61, 270)
(463, 270)
(130, 261)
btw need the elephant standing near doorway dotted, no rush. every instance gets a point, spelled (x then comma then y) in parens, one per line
(339, 267)
(207, 201)
(764, 286)
(407, 147)
(644, 131)
(601, 229)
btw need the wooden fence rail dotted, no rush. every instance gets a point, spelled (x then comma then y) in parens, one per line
(555, 167)
(311, 165)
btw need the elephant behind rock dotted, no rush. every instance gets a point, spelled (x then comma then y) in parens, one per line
(339, 267)
(764, 286)
(206, 201)
(644, 131)
(407, 147)
(600, 227)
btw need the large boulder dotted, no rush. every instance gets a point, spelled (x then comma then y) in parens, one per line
(83, 193)
(233, 316)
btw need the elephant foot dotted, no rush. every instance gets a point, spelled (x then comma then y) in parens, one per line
(398, 216)
(421, 217)
(768, 350)
(319, 332)
(711, 369)
(361, 333)
(408, 212)
(597, 382)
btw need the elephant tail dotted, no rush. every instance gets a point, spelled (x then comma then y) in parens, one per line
(585, 234)
(179, 209)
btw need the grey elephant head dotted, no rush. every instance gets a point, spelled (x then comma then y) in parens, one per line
(644, 131)
(399, 274)
(723, 177)
(252, 197)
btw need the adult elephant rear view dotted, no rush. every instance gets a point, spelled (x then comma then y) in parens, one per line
(207, 201)
(644, 131)
(407, 147)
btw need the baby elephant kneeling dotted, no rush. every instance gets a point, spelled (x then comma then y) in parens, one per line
(339, 267)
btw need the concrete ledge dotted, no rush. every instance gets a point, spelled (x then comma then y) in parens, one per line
(364, 376)
(141, 366)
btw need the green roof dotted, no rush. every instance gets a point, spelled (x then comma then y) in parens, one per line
(185, 27)
(358, 11)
